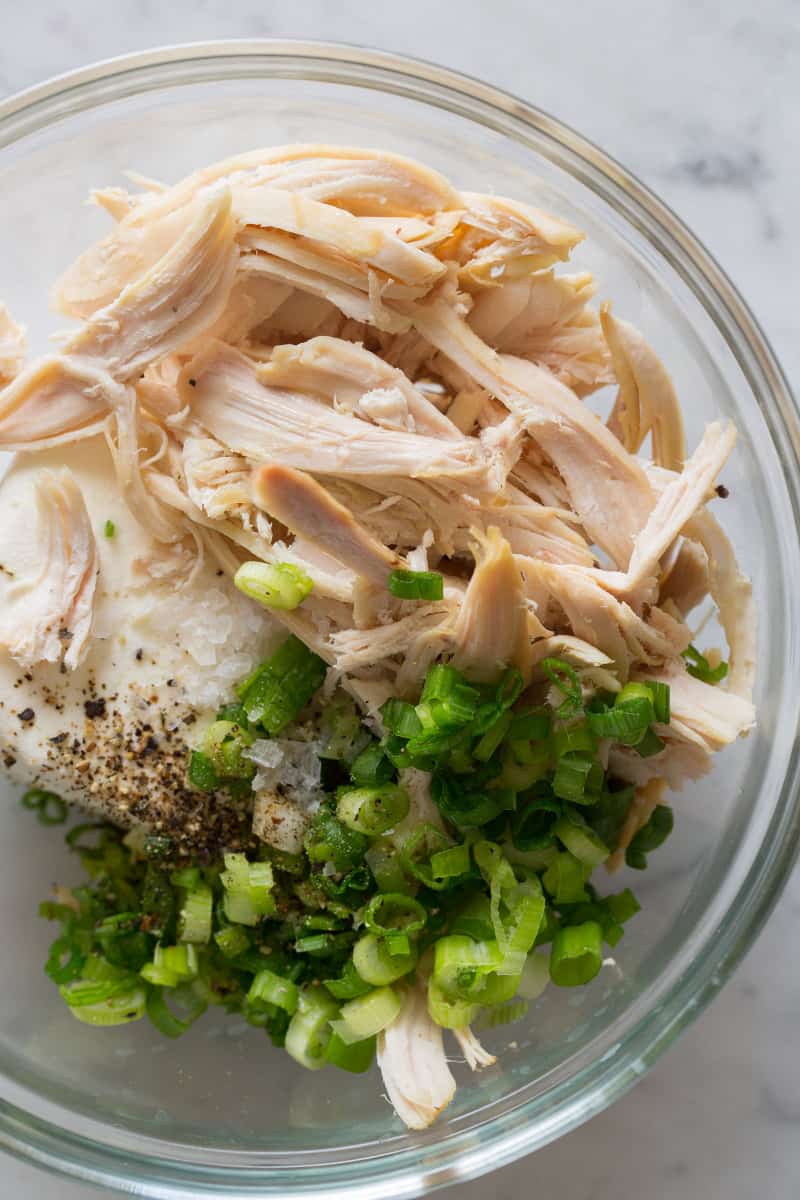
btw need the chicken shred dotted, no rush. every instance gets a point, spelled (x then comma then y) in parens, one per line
(51, 617)
(412, 1061)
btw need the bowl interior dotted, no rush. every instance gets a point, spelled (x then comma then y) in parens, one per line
(222, 1091)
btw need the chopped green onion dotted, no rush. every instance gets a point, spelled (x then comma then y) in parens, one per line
(314, 943)
(344, 735)
(535, 976)
(232, 940)
(474, 919)
(99, 983)
(356, 1057)
(623, 906)
(248, 890)
(398, 944)
(120, 1009)
(449, 1013)
(349, 985)
(400, 718)
(533, 825)
(329, 840)
(372, 810)
(201, 773)
(186, 877)
(564, 879)
(626, 723)
(450, 863)
(384, 862)
(577, 836)
(269, 988)
(171, 965)
(461, 965)
(571, 778)
(565, 679)
(577, 954)
(194, 919)
(367, 1015)
(492, 738)
(280, 585)
(50, 809)
(573, 739)
(660, 695)
(505, 694)
(109, 529)
(375, 963)
(516, 908)
(650, 744)
(523, 775)
(282, 686)
(189, 1004)
(394, 913)
(699, 666)
(449, 699)
(309, 1030)
(371, 768)
(464, 808)
(442, 681)
(65, 960)
(224, 743)
(531, 725)
(416, 585)
(650, 837)
(417, 852)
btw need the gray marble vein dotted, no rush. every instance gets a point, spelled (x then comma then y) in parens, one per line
(701, 100)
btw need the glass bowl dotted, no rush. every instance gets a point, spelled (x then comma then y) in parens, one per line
(220, 1113)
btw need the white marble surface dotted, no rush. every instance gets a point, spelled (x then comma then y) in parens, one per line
(701, 100)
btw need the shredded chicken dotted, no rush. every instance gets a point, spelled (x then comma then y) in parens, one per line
(51, 616)
(331, 357)
(12, 347)
(491, 631)
(646, 400)
(473, 1051)
(413, 1064)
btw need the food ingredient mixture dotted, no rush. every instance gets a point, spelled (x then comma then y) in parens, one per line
(362, 638)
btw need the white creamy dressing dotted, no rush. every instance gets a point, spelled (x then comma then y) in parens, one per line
(161, 649)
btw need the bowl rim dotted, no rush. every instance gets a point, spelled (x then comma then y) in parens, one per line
(457, 1156)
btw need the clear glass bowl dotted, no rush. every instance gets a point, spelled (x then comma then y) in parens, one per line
(220, 1113)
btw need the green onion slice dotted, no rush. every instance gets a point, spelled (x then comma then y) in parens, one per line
(372, 810)
(176, 1018)
(50, 809)
(282, 686)
(416, 585)
(394, 912)
(309, 1030)
(577, 954)
(565, 679)
(367, 1015)
(274, 585)
(699, 666)
(356, 1058)
(269, 988)
(375, 963)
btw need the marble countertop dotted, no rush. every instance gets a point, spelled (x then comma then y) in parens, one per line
(700, 100)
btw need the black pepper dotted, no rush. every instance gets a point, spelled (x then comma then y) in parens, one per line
(27, 715)
(95, 708)
(722, 491)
